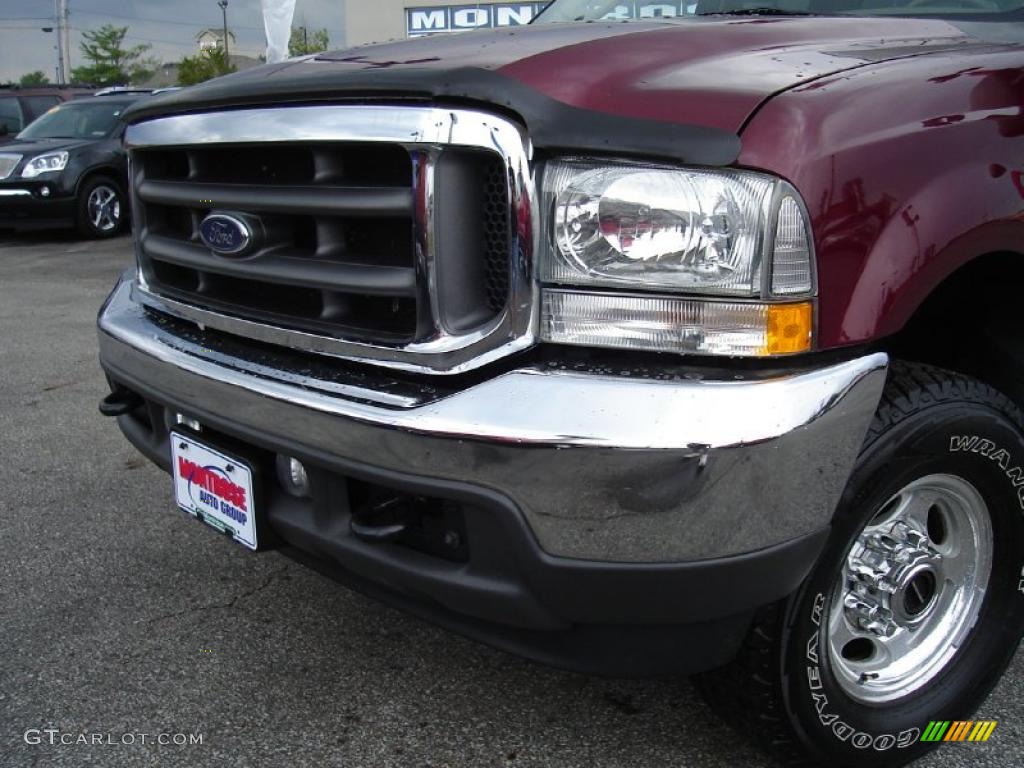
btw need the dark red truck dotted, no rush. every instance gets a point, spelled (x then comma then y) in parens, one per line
(647, 338)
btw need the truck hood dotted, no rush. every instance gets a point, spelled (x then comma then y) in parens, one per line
(701, 71)
(707, 73)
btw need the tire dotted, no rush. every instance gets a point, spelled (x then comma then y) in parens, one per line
(794, 686)
(102, 208)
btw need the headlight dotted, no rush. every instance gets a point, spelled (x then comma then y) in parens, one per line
(54, 161)
(708, 234)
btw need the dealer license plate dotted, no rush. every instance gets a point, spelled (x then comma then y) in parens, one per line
(214, 487)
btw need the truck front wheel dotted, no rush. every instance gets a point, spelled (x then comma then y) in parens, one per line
(916, 606)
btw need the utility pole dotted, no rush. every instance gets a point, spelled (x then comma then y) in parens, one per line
(63, 43)
(56, 41)
(224, 10)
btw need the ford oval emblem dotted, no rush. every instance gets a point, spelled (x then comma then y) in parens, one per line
(225, 234)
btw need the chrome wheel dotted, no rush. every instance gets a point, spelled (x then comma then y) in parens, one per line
(104, 208)
(910, 590)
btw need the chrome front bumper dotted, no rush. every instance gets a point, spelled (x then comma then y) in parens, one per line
(603, 466)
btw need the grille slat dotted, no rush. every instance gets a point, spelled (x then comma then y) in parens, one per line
(336, 201)
(336, 276)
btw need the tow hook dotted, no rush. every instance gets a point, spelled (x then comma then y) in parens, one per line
(383, 521)
(120, 402)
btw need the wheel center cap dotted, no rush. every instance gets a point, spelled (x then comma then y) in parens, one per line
(893, 580)
(916, 595)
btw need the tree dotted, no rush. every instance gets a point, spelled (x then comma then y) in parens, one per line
(110, 63)
(305, 41)
(206, 65)
(34, 78)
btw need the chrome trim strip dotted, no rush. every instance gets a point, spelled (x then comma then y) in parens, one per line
(424, 164)
(424, 131)
(15, 193)
(347, 122)
(459, 360)
(130, 313)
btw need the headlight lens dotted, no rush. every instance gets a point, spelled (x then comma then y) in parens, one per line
(737, 236)
(684, 230)
(54, 161)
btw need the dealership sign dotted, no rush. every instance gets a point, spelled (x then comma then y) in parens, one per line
(452, 18)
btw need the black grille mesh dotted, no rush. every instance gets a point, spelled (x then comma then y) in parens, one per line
(496, 234)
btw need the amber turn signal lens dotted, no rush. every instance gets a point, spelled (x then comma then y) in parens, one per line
(790, 328)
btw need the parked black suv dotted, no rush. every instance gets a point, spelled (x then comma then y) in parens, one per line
(20, 106)
(68, 169)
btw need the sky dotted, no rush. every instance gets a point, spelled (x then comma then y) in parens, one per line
(169, 26)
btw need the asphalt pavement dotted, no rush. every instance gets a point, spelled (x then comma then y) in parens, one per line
(125, 622)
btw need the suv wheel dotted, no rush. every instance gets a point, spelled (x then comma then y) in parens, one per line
(101, 208)
(916, 606)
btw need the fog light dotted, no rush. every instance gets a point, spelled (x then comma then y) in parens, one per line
(292, 475)
(180, 418)
(44, 191)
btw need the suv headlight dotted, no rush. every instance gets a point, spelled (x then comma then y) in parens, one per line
(736, 245)
(54, 161)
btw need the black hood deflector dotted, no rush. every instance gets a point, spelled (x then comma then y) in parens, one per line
(552, 124)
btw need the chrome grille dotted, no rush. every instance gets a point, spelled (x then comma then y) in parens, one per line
(398, 235)
(7, 164)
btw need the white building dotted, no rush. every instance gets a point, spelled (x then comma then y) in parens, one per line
(213, 39)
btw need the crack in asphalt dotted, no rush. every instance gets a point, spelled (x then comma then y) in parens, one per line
(267, 581)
